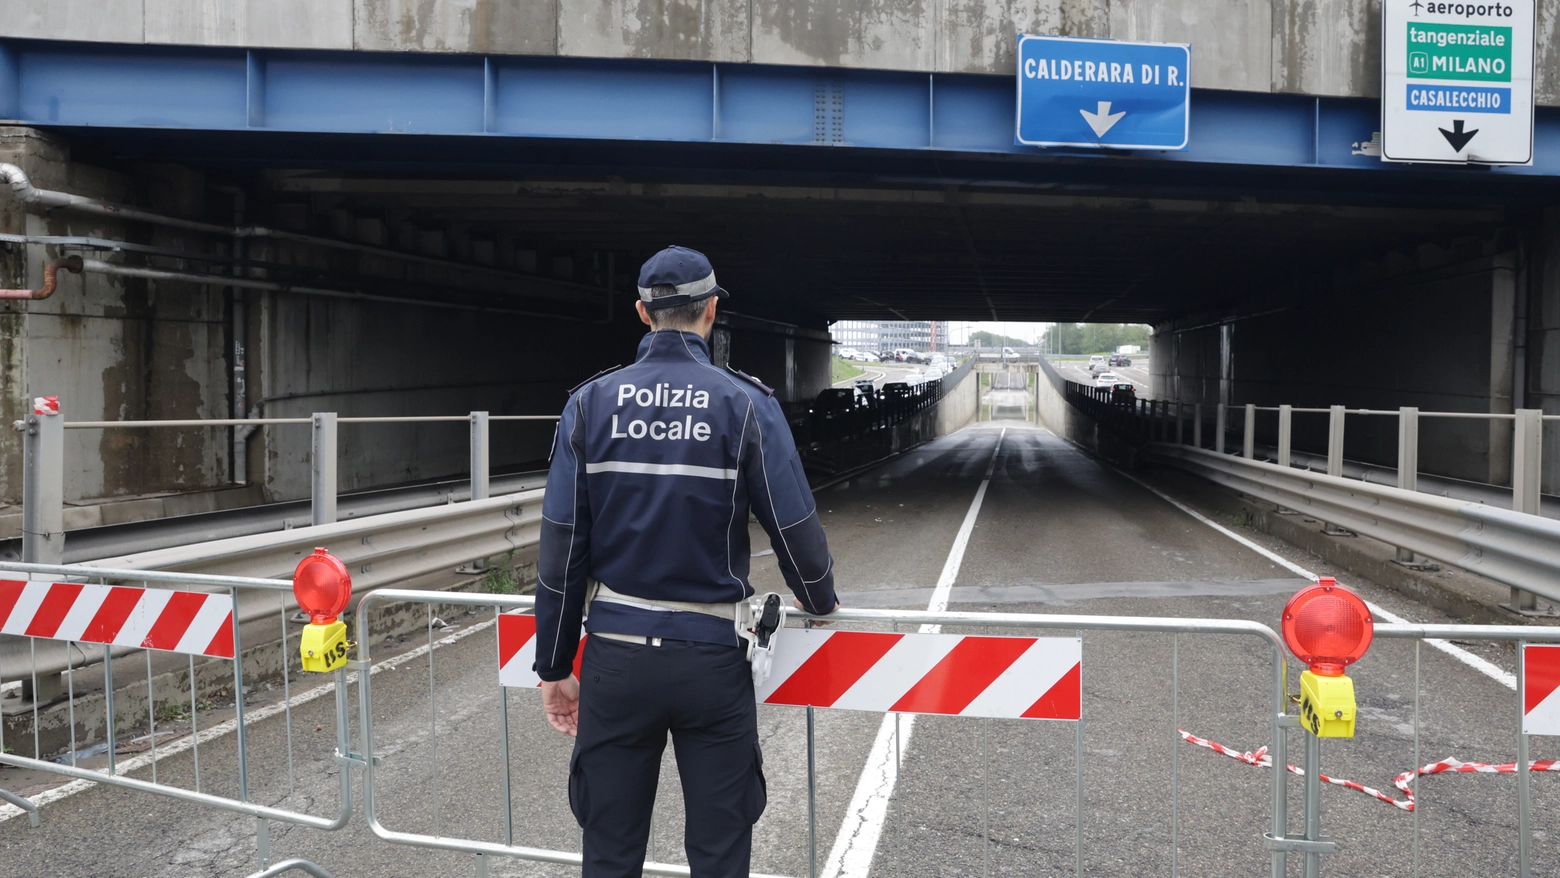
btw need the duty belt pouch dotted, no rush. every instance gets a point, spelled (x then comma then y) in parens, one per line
(760, 632)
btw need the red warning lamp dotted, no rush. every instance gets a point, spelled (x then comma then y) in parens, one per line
(322, 586)
(1328, 627)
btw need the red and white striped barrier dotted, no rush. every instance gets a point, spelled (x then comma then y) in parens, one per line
(949, 674)
(46, 405)
(1261, 759)
(1540, 690)
(144, 618)
(517, 651)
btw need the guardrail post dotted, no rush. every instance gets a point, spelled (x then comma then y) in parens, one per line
(1197, 424)
(1408, 461)
(1249, 437)
(1221, 424)
(1286, 415)
(1335, 441)
(1526, 458)
(1178, 439)
(480, 465)
(43, 487)
(43, 511)
(322, 505)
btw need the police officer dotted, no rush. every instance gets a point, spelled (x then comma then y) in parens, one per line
(645, 533)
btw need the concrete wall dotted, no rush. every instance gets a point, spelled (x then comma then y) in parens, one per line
(960, 405)
(1323, 47)
(1540, 354)
(1434, 328)
(116, 349)
(120, 349)
(130, 349)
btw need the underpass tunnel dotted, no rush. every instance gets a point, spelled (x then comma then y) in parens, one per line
(430, 277)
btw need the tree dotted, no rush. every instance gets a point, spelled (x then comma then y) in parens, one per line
(1095, 338)
(984, 339)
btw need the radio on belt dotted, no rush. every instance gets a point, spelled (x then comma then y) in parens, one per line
(1329, 628)
(323, 587)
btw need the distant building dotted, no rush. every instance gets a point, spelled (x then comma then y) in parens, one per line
(886, 335)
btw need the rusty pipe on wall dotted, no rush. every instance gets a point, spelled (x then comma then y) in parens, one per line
(51, 273)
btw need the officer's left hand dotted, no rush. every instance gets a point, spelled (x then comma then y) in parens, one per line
(798, 603)
(561, 702)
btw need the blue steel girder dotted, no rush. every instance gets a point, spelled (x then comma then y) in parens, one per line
(82, 85)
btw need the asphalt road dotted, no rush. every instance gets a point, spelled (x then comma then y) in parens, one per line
(1057, 532)
(881, 373)
(1137, 374)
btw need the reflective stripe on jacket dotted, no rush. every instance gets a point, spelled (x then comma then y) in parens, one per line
(654, 470)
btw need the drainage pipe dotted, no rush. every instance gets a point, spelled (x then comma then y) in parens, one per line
(51, 272)
(22, 186)
(114, 268)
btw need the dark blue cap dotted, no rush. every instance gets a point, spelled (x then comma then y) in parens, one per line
(677, 276)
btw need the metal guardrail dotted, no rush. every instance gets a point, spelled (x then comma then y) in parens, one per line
(1513, 548)
(1161, 424)
(379, 550)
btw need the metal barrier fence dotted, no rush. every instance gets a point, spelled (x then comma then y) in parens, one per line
(384, 760)
(847, 428)
(1342, 502)
(182, 629)
(504, 843)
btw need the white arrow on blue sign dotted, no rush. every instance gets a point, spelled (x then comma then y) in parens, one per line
(1103, 93)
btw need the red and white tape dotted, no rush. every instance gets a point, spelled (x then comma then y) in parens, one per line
(46, 405)
(144, 618)
(1261, 759)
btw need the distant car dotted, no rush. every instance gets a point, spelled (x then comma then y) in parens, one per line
(1098, 361)
(1121, 361)
(1115, 360)
(1123, 393)
(1105, 379)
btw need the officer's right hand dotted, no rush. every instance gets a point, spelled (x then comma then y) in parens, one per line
(561, 702)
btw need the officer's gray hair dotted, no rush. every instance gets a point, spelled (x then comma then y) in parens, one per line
(678, 316)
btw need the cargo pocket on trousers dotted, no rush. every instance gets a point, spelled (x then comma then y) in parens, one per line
(579, 795)
(758, 788)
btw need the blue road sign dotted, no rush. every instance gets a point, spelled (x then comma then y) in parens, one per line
(1103, 93)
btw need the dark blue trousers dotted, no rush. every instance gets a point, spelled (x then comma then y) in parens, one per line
(631, 697)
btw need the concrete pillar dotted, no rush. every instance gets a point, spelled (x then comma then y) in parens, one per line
(1221, 420)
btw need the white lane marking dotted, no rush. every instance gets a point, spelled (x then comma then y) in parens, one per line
(251, 717)
(1487, 668)
(856, 844)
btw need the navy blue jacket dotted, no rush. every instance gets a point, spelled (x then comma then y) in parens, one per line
(654, 469)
